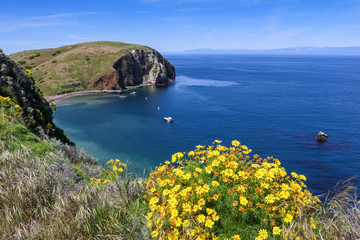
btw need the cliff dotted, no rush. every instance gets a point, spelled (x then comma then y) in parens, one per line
(95, 66)
(20, 87)
(138, 67)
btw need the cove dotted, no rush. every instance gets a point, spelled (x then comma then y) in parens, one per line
(273, 104)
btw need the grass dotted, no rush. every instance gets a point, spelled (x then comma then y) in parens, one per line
(45, 192)
(340, 216)
(58, 70)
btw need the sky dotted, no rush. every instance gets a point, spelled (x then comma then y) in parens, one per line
(176, 25)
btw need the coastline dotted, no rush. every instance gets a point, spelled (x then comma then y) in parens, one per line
(57, 98)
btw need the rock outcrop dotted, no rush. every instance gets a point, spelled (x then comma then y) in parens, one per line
(138, 67)
(322, 137)
(21, 88)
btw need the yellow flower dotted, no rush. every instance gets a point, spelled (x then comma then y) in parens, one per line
(209, 223)
(200, 218)
(191, 154)
(270, 199)
(288, 218)
(302, 177)
(120, 169)
(236, 237)
(106, 181)
(210, 211)
(198, 170)
(263, 234)
(235, 143)
(186, 223)
(243, 201)
(294, 175)
(285, 194)
(241, 188)
(154, 233)
(276, 230)
(201, 202)
(196, 208)
(187, 207)
(208, 169)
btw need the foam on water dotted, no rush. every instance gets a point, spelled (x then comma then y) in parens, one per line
(185, 81)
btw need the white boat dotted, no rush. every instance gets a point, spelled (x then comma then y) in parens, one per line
(168, 119)
(133, 93)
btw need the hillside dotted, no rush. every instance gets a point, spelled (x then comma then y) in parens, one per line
(18, 85)
(91, 65)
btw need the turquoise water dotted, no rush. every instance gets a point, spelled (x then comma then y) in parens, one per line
(274, 104)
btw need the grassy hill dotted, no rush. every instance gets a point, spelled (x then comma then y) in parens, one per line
(72, 68)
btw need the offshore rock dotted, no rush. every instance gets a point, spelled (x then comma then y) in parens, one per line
(322, 137)
(138, 67)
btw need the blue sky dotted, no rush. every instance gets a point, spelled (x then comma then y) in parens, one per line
(173, 25)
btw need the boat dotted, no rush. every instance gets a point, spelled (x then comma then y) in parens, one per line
(133, 93)
(168, 119)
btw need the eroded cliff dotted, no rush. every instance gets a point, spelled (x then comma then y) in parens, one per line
(138, 67)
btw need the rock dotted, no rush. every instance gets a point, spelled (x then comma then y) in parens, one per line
(37, 112)
(138, 67)
(321, 137)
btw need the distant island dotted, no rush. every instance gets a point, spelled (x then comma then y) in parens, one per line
(340, 51)
(95, 66)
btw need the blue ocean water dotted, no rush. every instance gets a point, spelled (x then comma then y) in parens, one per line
(274, 104)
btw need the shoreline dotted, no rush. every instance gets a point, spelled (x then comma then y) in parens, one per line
(57, 98)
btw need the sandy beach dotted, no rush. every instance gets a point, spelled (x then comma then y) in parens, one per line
(57, 98)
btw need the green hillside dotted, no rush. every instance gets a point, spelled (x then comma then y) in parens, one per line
(72, 68)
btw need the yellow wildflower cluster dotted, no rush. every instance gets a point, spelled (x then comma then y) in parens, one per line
(29, 73)
(114, 169)
(8, 107)
(215, 192)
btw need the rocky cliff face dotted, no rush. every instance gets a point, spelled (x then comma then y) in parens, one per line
(138, 67)
(20, 87)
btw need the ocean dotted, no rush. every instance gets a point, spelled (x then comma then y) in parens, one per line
(275, 105)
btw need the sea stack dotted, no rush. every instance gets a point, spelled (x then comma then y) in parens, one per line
(322, 137)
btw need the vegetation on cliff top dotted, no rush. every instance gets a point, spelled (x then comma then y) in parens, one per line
(72, 68)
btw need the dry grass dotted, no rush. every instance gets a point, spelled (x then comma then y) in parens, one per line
(47, 196)
(340, 216)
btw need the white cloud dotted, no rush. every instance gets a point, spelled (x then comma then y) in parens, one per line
(64, 15)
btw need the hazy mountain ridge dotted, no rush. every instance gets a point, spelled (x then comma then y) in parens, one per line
(342, 51)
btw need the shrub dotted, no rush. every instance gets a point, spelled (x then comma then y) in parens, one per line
(220, 192)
